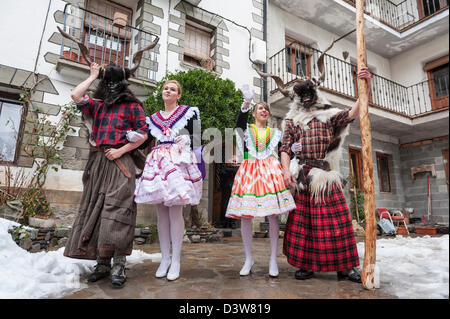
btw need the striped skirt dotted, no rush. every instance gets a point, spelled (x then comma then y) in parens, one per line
(319, 237)
(169, 178)
(259, 190)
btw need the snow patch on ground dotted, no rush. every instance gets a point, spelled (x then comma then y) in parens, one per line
(409, 268)
(413, 267)
(45, 274)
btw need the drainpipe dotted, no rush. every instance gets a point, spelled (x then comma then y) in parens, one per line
(168, 26)
(265, 39)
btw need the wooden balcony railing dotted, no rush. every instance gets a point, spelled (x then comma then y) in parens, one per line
(298, 60)
(405, 14)
(107, 43)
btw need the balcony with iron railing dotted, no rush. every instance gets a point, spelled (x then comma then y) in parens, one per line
(107, 42)
(298, 60)
(404, 15)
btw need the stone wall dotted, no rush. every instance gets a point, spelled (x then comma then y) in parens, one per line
(396, 198)
(427, 152)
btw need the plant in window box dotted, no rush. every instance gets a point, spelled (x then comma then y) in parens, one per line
(208, 64)
(72, 56)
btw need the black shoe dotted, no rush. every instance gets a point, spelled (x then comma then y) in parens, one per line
(351, 275)
(303, 274)
(100, 272)
(118, 277)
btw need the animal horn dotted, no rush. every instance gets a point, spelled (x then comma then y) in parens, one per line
(83, 49)
(278, 81)
(320, 63)
(137, 57)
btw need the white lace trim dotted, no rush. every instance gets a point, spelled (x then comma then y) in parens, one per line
(182, 122)
(251, 147)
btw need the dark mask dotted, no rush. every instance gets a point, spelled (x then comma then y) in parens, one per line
(306, 91)
(114, 87)
(113, 83)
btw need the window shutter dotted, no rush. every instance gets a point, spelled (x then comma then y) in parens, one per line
(197, 43)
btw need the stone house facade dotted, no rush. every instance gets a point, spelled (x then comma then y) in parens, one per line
(216, 31)
(407, 51)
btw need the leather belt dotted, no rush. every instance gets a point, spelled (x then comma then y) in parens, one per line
(318, 163)
(118, 162)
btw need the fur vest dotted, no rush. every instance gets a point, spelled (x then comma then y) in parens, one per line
(319, 180)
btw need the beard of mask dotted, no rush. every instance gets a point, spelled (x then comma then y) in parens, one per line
(306, 91)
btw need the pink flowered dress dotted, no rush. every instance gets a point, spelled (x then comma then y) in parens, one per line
(171, 175)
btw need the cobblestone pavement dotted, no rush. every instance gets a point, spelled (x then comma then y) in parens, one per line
(211, 271)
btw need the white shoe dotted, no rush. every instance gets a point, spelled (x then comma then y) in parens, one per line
(273, 271)
(173, 276)
(245, 271)
(162, 271)
(174, 272)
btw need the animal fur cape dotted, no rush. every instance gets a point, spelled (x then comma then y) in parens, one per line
(319, 179)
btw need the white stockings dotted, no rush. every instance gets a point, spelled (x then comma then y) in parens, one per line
(247, 235)
(170, 229)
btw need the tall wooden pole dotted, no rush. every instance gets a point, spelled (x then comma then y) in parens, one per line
(368, 271)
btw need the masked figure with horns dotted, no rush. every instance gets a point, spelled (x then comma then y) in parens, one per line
(319, 235)
(104, 227)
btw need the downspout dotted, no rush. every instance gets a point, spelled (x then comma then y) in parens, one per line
(42, 36)
(168, 26)
(265, 39)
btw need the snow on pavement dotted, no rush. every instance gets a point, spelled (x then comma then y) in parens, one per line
(409, 268)
(413, 268)
(24, 275)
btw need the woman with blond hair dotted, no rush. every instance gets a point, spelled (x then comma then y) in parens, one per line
(258, 189)
(171, 177)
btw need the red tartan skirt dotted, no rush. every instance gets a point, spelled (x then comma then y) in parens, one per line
(319, 237)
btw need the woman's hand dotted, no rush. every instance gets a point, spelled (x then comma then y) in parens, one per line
(183, 140)
(248, 97)
(113, 153)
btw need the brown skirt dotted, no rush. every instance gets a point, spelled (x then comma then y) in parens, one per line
(107, 215)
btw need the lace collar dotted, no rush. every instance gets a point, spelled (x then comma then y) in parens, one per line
(258, 146)
(166, 129)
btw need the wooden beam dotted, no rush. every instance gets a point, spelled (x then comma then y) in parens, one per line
(368, 271)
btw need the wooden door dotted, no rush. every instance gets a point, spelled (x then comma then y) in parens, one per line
(356, 165)
(298, 57)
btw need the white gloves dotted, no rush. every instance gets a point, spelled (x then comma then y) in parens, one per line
(134, 137)
(296, 147)
(183, 140)
(248, 97)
